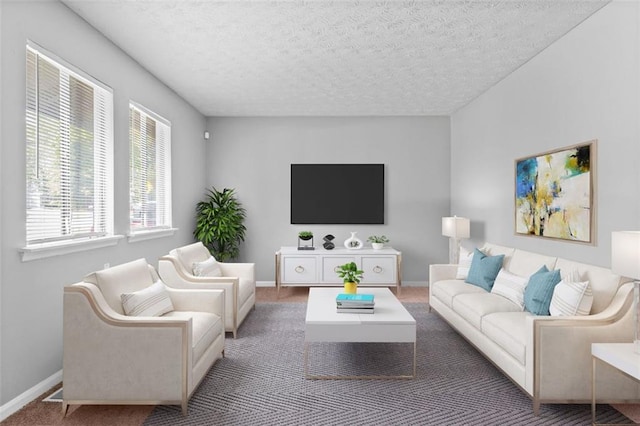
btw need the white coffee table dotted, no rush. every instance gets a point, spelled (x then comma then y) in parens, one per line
(391, 323)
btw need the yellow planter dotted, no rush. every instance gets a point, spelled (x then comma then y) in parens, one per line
(351, 288)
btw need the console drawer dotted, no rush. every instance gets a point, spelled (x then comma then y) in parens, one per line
(299, 269)
(379, 269)
(330, 265)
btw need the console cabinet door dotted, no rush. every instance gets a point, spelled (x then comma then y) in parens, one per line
(379, 269)
(299, 269)
(330, 265)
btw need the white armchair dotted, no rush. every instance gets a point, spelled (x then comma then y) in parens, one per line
(113, 358)
(238, 280)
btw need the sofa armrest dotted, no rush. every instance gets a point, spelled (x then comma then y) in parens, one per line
(557, 373)
(201, 300)
(439, 272)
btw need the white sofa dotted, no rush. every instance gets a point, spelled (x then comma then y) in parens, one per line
(548, 357)
(112, 358)
(238, 280)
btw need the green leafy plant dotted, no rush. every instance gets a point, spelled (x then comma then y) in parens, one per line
(219, 224)
(378, 239)
(305, 235)
(350, 273)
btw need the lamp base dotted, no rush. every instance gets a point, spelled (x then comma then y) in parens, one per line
(454, 250)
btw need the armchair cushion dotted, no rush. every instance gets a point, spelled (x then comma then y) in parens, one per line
(205, 328)
(152, 301)
(126, 278)
(192, 253)
(207, 268)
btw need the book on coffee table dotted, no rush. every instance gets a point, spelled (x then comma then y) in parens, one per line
(355, 300)
(351, 310)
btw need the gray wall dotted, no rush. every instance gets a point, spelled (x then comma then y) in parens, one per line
(253, 155)
(585, 86)
(31, 321)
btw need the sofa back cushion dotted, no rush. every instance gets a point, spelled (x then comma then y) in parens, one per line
(126, 278)
(604, 283)
(495, 250)
(526, 263)
(190, 254)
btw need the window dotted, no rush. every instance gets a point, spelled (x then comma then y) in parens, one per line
(69, 143)
(149, 170)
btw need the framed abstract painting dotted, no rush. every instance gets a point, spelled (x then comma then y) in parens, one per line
(554, 194)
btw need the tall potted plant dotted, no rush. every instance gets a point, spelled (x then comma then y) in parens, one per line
(351, 276)
(219, 224)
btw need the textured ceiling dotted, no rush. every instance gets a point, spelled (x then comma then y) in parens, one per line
(273, 58)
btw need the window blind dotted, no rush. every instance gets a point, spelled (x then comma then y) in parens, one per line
(69, 148)
(150, 170)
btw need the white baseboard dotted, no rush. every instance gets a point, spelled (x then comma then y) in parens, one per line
(404, 284)
(29, 395)
(415, 284)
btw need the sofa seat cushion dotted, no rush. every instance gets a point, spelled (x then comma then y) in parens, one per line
(206, 327)
(507, 330)
(446, 290)
(473, 307)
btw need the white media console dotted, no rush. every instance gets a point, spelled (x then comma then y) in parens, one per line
(317, 268)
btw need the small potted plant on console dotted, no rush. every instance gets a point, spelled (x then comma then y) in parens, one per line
(377, 242)
(351, 276)
(305, 236)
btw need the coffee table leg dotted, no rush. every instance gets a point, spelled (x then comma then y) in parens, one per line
(306, 360)
(414, 359)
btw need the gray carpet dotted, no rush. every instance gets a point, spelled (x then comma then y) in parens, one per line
(260, 382)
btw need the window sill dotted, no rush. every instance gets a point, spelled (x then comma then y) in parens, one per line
(148, 235)
(41, 251)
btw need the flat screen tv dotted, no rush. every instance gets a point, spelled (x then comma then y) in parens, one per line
(337, 193)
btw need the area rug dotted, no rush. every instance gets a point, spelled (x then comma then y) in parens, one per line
(261, 382)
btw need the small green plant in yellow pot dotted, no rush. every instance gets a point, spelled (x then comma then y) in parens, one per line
(351, 277)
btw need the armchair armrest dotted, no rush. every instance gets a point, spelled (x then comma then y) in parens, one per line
(439, 272)
(205, 300)
(174, 275)
(152, 355)
(245, 271)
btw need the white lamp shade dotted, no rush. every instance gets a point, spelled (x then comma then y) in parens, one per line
(625, 253)
(455, 227)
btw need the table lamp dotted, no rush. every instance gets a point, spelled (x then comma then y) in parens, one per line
(625, 261)
(455, 228)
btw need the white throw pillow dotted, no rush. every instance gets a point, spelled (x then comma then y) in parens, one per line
(510, 286)
(571, 297)
(464, 263)
(152, 301)
(207, 268)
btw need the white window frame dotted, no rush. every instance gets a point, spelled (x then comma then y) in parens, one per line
(162, 181)
(70, 242)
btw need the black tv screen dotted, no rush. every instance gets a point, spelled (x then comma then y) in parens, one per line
(337, 193)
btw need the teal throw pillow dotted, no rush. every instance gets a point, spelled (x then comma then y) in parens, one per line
(539, 291)
(484, 269)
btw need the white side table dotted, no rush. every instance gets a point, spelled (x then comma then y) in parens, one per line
(620, 356)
